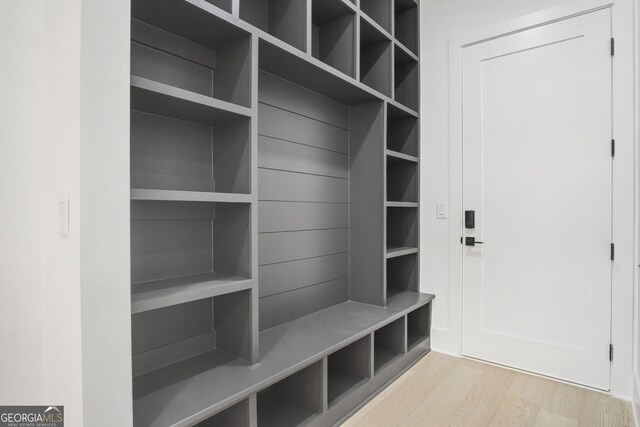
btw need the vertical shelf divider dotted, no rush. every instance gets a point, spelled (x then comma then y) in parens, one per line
(367, 188)
(255, 352)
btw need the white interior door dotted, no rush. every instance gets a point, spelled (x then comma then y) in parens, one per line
(537, 168)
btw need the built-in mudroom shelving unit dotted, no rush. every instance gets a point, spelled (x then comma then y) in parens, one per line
(274, 209)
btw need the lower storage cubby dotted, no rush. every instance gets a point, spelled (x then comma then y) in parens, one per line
(238, 415)
(294, 400)
(418, 325)
(389, 344)
(175, 343)
(348, 368)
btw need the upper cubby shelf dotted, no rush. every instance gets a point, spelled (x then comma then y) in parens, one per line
(183, 46)
(375, 58)
(378, 10)
(222, 4)
(406, 23)
(284, 19)
(406, 78)
(333, 34)
(402, 133)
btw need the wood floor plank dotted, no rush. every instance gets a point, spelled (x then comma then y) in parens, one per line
(515, 411)
(390, 406)
(442, 390)
(437, 407)
(480, 406)
(602, 410)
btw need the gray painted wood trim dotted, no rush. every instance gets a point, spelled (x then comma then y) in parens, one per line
(188, 196)
(290, 246)
(280, 93)
(298, 216)
(367, 212)
(302, 129)
(288, 276)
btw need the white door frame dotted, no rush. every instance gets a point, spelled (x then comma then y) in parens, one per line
(623, 271)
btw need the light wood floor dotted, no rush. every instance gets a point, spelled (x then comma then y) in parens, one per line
(441, 390)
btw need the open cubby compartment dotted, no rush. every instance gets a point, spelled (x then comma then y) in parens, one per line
(388, 344)
(333, 35)
(406, 24)
(378, 10)
(402, 231)
(180, 45)
(348, 368)
(175, 154)
(181, 251)
(402, 274)
(406, 79)
(178, 342)
(225, 5)
(418, 325)
(402, 178)
(294, 400)
(284, 19)
(375, 58)
(238, 415)
(402, 132)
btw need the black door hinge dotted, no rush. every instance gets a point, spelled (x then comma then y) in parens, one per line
(613, 252)
(613, 148)
(613, 46)
(610, 352)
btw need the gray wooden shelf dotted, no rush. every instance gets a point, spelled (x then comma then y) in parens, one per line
(396, 155)
(163, 293)
(191, 390)
(188, 196)
(402, 204)
(159, 98)
(400, 251)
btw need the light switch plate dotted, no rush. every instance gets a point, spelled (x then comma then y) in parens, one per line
(442, 210)
(63, 212)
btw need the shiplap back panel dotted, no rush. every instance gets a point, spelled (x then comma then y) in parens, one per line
(303, 193)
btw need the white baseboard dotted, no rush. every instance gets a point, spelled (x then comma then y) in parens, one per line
(635, 401)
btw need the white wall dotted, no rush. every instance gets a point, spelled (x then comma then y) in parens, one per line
(65, 301)
(443, 20)
(40, 362)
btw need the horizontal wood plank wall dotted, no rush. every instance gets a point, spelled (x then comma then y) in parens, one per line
(303, 196)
